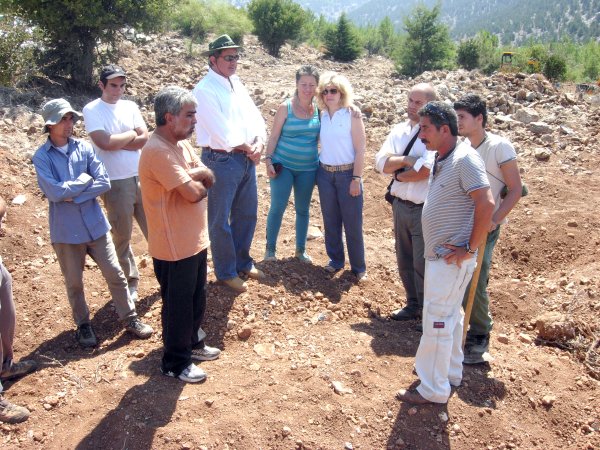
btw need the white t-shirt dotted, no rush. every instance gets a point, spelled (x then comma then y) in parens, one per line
(115, 118)
(337, 148)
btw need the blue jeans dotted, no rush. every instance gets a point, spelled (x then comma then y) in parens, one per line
(232, 210)
(339, 208)
(303, 183)
(480, 322)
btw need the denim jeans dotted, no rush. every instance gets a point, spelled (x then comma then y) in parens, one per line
(409, 251)
(339, 209)
(480, 322)
(303, 183)
(183, 291)
(7, 319)
(232, 211)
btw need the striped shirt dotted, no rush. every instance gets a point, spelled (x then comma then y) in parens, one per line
(297, 145)
(448, 211)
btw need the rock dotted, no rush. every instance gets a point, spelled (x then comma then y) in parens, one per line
(339, 388)
(548, 400)
(526, 115)
(540, 128)
(286, 431)
(244, 332)
(314, 233)
(231, 324)
(443, 416)
(572, 223)
(348, 446)
(19, 199)
(542, 154)
(525, 338)
(553, 326)
(503, 339)
(412, 411)
(265, 350)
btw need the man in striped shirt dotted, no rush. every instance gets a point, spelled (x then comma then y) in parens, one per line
(456, 217)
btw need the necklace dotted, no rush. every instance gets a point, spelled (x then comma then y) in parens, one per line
(303, 110)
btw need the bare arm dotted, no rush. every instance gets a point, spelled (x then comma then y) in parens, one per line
(512, 178)
(484, 207)
(111, 142)
(278, 122)
(413, 175)
(139, 141)
(193, 191)
(359, 142)
(204, 175)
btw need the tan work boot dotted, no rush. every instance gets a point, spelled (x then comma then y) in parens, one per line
(10, 413)
(236, 283)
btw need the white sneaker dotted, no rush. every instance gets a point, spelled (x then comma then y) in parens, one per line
(191, 374)
(362, 277)
(205, 353)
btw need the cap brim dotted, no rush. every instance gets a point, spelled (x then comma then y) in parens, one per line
(115, 75)
(56, 118)
(210, 52)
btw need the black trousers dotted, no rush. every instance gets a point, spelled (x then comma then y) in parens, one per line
(183, 291)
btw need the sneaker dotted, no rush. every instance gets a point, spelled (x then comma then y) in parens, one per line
(10, 413)
(205, 353)
(139, 328)
(405, 313)
(303, 257)
(18, 369)
(330, 269)
(270, 255)
(476, 346)
(86, 336)
(361, 277)
(254, 273)
(191, 374)
(236, 283)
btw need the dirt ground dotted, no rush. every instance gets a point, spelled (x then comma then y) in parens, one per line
(322, 362)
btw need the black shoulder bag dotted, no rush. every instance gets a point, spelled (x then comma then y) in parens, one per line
(388, 194)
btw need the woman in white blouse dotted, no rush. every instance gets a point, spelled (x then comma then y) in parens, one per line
(339, 176)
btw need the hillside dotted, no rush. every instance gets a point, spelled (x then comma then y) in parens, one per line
(310, 360)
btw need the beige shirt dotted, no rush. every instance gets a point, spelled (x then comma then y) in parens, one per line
(177, 228)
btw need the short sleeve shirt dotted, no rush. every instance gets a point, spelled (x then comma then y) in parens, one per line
(177, 228)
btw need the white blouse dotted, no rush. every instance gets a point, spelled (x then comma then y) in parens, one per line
(336, 138)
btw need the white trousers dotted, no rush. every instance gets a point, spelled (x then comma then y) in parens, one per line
(440, 356)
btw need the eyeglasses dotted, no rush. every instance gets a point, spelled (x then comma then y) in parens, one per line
(332, 91)
(230, 58)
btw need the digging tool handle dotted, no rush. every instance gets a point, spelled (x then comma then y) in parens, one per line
(471, 298)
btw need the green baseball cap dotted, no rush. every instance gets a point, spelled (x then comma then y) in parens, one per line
(220, 43)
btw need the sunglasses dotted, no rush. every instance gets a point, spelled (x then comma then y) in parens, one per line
(230, 58)
(332, 91)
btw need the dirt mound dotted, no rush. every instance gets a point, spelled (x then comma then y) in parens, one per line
(310, 360)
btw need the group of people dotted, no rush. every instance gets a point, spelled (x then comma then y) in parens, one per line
(443, 207)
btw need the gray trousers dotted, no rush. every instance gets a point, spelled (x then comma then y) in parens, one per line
(410, 249)
(123, 202)
(7, 319)
(71, 258)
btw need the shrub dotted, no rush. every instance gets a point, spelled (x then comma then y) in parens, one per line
(17, 51)
(468, 54)
(342, 42)
(555, 68)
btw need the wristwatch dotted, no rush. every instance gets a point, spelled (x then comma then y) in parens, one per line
(469, 249)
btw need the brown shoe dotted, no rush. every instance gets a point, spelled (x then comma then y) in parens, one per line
(254, 273)
(412, 397)
(10, 413)
(236, 283)
(18, 369)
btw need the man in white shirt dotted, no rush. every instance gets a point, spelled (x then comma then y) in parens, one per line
(231, 132)
(118, 133)
(409, 190)
(500, 160)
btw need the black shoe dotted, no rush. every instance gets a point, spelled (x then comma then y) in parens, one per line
(85, 335)
(419, 326)
(475, 347)
(405, 313)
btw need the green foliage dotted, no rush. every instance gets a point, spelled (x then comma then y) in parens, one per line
(196, 18)
(17, 51)
(275, 22)
(468, 54)
(555, 68)
(72, 29)
(428, 45)
(342, 42)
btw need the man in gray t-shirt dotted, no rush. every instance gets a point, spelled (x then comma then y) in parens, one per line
(456, 216)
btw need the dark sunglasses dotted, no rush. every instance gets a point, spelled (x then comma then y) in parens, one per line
(230, 58)
(329, 91)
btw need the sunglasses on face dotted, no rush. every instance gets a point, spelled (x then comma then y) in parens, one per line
(230, 58)
(332, 91)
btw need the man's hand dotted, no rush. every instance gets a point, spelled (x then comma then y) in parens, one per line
(255, 152)
(203, 175)
(457, 254)
(354, 190)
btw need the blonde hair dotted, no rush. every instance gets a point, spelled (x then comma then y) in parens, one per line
(341, 83)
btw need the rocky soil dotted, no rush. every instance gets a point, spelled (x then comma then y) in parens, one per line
(310, 361)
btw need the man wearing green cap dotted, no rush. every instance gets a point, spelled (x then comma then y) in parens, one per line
(231, 131)
(71, 176)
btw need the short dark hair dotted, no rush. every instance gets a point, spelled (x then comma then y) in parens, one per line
(474, 105)
(441, 113)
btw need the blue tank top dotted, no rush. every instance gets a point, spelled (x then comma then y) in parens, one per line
(297, 145)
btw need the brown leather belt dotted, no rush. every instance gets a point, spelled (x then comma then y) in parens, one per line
(341, 168)
(219, 150)
(408, 202)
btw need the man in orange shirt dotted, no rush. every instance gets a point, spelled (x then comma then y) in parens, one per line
(174, 188)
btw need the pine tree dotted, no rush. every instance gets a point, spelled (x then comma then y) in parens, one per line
(342, 42)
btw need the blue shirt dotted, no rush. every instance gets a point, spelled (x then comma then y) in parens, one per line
(78, 176)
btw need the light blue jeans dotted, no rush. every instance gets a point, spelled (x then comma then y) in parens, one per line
(303, 183)
(339, 209)
(232, 211)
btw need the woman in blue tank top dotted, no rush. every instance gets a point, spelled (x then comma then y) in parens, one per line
(292, 160)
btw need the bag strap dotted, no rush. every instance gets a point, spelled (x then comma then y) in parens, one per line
(406, 152)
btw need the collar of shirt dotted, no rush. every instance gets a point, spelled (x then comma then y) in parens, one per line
(228, 83)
